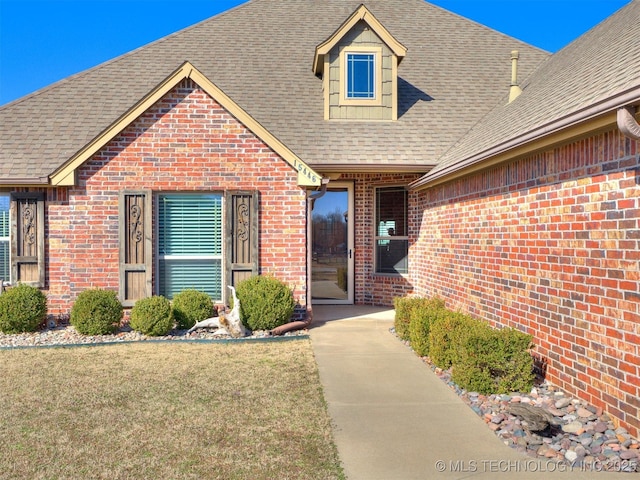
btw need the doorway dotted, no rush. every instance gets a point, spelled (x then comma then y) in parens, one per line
(332, 262)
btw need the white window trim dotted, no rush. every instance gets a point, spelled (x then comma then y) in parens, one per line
(377, 71)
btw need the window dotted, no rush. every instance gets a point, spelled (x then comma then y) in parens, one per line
(391, 236)
(361, 75)
(5, 245)
(190, 244)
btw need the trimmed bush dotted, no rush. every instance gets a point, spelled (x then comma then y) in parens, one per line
(407, 308)
(22, 309)
(446, 337)
(265, 302)
(152, 316)
(191, 306)
(96, 312)
(403, 306)
(495, 361)
(422, 315)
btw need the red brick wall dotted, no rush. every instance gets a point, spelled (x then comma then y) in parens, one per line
(372, 288)
(184, 143)
(550, 245)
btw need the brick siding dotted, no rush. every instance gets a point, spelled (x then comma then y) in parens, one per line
(372, 288)
(185, 143)
(550, 245)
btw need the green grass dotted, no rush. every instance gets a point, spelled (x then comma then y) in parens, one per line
(166, 411)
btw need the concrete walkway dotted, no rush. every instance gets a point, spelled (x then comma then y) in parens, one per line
(394, 419)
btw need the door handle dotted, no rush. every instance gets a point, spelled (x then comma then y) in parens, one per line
(349, 253)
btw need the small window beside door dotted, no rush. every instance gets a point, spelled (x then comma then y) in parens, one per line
(391, 236)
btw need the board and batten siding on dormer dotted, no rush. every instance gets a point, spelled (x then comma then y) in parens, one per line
(384, 107)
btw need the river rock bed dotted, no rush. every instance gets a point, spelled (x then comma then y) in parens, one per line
(67, 335)
(584, 436)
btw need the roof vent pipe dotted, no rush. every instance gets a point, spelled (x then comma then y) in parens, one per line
(515, 90)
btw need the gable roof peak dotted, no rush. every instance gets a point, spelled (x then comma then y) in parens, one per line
(362, 13)
(66, 174)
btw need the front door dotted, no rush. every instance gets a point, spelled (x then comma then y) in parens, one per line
(332, 257)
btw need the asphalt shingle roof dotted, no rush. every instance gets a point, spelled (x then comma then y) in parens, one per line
(261, 55)
(601, 65)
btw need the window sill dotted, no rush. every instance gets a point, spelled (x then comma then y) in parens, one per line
(392, 275)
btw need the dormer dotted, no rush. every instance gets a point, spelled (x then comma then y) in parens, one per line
(358, 65)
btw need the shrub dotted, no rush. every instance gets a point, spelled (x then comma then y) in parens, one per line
(190, 307)
(96, 312)
(22, 309)
(402, 319)
(265, 302)
(446, 337)
(422, 315)
(152, 316)
(407, 308)
(495, 361)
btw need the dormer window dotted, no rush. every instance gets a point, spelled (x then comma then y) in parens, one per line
(362, 76)
(358, 65)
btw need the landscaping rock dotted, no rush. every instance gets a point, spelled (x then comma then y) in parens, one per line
(563, 402)
(572, 427)
(584, 413)
(576, 433)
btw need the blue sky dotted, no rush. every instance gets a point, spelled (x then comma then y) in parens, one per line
(43, 41)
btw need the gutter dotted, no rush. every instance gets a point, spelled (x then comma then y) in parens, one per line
(396, 167)
(300, 324)
(629, 97)
(627, 122)
(22, 181)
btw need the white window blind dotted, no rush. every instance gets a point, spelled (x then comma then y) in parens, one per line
(190, 244)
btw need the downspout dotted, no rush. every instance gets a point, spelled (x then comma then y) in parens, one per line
(627, 122)
(301, 324)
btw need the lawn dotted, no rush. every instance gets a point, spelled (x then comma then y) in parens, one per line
(166, 411)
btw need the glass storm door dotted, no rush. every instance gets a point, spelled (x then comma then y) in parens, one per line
(332, 258)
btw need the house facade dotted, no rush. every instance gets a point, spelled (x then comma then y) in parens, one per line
(358, 153)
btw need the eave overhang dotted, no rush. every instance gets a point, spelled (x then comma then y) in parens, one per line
(335, 168)
(24, 182)
(66, 174)
(361, 13)
(597, 117)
